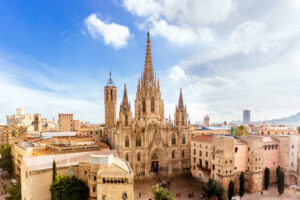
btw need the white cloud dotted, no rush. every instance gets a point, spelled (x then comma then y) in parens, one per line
(112, 33)
(177, 74)
(181, 22)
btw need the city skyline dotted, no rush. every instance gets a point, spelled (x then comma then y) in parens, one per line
(225, 61)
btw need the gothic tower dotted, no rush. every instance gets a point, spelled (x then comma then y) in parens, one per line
(110, 99)
(148, 102)
(180, 117)
(206, 120)
(125, 115)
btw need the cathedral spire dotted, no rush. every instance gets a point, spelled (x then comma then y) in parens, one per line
(148, 75)
(110, 81)
(125, 104)
(180, 103)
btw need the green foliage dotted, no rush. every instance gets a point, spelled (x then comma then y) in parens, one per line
(6, 161)
(267, 178)
(241, 130)
(213, 188)
(242, 184)
(54, 173)
(161, 194)
(14, 192)
(277, 172)
(280, 182)
(68, 188)
(231, 190)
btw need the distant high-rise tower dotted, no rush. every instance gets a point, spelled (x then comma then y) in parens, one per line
(206, 120)
(246, 117)
(110, 99)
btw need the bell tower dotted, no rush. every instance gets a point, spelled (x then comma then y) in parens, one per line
(110, 99)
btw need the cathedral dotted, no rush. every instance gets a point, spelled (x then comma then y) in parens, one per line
(145, 140)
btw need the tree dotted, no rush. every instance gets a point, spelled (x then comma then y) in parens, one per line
(54, 172)
(267, 178)
(161, 194)
(68, 188)
(213, 188)
(277, 172)
(280, 182)
(241, 130)
(231, 190)
(6, 161)
(242, 184)
(14, 192)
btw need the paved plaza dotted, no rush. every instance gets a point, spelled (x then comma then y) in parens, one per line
(183, 184)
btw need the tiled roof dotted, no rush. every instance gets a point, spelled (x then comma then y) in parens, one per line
(203, 138)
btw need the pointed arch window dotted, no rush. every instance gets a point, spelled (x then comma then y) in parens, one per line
(182, 120)
(183, 139)
(144, 105)
(183, 153)
(126, 157)
(138, 141)
(173, 154)
(126, 141)
(173, 139)
(152, 105)
(126, 120)
(111, 95)
(138, 157)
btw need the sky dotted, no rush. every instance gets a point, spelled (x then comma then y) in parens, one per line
(226, 55)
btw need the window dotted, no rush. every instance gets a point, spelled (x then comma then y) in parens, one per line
(126, 120)
(213, 167)
(138, 141)
(183, 139)
(95, 178)
(138, 157)
(236, 149)
(173, 154)
(127, 157)
(152, 105)
(182, 120)
(94, 189)
(200, 153)
(144, 105)
(200, 162)
(206, 164)
(126, 141)
(194, 151)
(248, 148)
(194, 159)
(183, 153)
(173, 139)
(206, 153)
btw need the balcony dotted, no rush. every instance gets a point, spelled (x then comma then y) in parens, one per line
(206, 169)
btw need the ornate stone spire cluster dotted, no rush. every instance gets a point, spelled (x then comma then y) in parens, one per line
(181, 106)
(148, 79)
(125, 105)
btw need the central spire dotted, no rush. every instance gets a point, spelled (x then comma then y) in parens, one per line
(148, 75)
(180, 102)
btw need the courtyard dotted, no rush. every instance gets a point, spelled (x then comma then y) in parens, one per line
(186, 184)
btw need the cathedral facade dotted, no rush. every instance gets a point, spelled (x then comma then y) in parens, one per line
(148, 143)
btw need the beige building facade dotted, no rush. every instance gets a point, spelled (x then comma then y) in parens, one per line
(145, 141)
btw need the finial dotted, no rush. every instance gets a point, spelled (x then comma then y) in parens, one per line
(110, 81)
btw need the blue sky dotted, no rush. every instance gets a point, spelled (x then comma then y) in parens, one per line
(227, 55)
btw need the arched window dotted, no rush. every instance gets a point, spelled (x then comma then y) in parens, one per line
(127, 157)
(126, 141)
(173, 154)
(138, 157)
(183, 153)
(182, 120)
(183, 139)
(144, 105)
(126, 120)
(106, 95)
(111, 95)
(152, 105)
(173, 139)
(138, 141)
